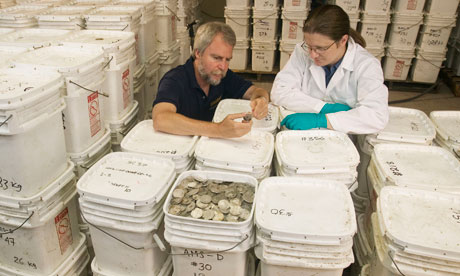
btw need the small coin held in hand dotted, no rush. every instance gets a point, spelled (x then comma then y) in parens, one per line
(247, 117)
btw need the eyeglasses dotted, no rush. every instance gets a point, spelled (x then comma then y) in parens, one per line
(318, 50)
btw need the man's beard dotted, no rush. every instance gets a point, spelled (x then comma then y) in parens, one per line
(207, 78)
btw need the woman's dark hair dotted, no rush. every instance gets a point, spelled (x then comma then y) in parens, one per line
(331, 21)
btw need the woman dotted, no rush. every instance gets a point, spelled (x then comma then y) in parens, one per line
(331, 80)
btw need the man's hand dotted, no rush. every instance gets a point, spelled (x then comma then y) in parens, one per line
(259, 107)
(229, 128)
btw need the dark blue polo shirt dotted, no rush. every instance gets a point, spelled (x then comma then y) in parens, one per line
(179, 87)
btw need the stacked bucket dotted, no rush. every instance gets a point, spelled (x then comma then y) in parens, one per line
(237, 15)
(166, 31)
(439, 20)
(144, 139)
(305, 226)
(82, 69)
(183, 37)
(321, 154)
(404, 29)
(406, 240)
(20, 16)
(212, 247)
(38, 212)
(351, 7)
(264, 34)
(121, 198)
(63, 17)
(447, 130)
(293, 15)
(232, 106)
(250, 154)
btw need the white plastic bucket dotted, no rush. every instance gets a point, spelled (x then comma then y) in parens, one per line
(238, 20)
(286, 49)
(265, 4)
(119, 128)
(20, 16)
(349, 6)
(165, 23)
(119, 85)
(33, 38)
(250, 154)
(409, 6)
(240, 55)
(435, 33)
(397, 63)
(373, 28)
(404, 29)
(293, 22)
(446, 123)
(43, 245)
(442, 7)
(263, 55)
(231, 106)
(297, 4)
(63, 17)
(426, 66)
(144, 139)
(238, 3)
(264, 24)
(168, 60)
(376, 6)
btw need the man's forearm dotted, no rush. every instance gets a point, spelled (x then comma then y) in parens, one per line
(174, 123)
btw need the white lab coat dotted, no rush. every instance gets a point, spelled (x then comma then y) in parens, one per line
(358, 83)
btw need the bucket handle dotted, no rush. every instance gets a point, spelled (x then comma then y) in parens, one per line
(396, 265)
(159, 242)
(410, 27)
(7, 119)
(215, 252)
(440, 67)
(11, 231)
(108, 62)
(110, 235)
(90, 90)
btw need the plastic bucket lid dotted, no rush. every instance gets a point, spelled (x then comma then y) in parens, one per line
(33, 37)
(447, 123)
(241, 12)
(144, 139)
(283, 215)
(316, 151)
(114, 13)
(407, 216)
(417, 166)
(63, 13)
(127, 180)
(247, 153)
(230, 106)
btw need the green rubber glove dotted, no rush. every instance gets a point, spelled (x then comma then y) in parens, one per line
(335, 107)
(304, 121)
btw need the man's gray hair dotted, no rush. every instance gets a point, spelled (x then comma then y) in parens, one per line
(206, 33)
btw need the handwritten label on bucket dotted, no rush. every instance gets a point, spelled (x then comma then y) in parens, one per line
(202, 262)
(126, 87)
(94, 113)
(63, 230)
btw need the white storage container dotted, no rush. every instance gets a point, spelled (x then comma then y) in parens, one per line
(374, 28)
(447, 127)
(166, 27)
(376, 6)
(286, 49)
(265, 24)
(442, 7)
(435, 33)
(169, 59)
(296, 4)
(293, 22)
(250, 154)
(63, 17)
(231, 106)
(263, 55)
(238, 19)
(404, 29)
(397, 63)
(40, 245)
(20, 16)
(119, 128)
(33, 38)
(427, 65)
(409, 6)
(31, 134)
(144, 139)
(265, 4)
(240, 55)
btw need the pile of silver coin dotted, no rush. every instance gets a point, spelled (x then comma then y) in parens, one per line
(212, 200)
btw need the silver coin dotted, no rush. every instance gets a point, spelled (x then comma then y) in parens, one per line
(196, 213)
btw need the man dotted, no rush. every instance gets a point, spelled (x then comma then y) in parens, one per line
(188, 94)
